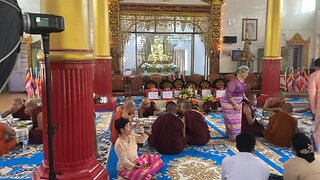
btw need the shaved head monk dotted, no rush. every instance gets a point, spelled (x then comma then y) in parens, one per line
(276, 103)
(168, 134)
(197, 129)
(148, 108)
(17, 110)
(127, 112)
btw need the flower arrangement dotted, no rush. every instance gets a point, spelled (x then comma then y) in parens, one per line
(187, 94)
(172, 67)
(159, 67)
(146, 66)
(207, 98)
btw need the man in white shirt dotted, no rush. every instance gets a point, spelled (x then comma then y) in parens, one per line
(244, 166)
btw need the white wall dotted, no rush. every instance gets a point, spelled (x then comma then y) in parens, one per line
(298, 16)
(233, 13)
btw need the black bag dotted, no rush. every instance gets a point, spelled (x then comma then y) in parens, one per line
(275, 177)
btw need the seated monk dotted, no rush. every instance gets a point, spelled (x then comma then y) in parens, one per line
(17, 110)
(35, 111)
(121, 106)
(168, 134)
(281, 127)
(6, 144)
(249, 123)
(179, 112)
(276, 103)
(127, 112)
(197, 130)
(148, 108)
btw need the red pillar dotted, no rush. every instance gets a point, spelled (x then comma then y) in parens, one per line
(103, 84)
(270, 79)
(72, 110)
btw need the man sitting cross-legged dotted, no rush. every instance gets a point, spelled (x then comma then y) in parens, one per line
(168, 133)
(148, 108)
(35, 111)
(197, 129)
(244, 166)
(281, 127)
(17, 110)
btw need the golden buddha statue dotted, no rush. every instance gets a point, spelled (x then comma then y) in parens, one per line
(157, 52)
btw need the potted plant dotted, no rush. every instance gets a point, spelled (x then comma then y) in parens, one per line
(209, 104)
(146, 67)
(172, 67)
(159, 68)
(187, 94)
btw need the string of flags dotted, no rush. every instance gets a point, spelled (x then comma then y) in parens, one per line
(297, 80)
(33, 83)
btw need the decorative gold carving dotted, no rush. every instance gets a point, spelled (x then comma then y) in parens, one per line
(297, 40)
(114, 25)
(130, 7)
(28, 41)
(246, 54)
(125, 18)
(213, 45)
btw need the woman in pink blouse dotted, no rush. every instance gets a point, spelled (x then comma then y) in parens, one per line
(130, 166)
(314, 99)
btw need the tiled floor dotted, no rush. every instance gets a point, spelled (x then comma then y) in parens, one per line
(6, 100)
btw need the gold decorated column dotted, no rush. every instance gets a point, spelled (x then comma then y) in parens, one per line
(103, 63)
(272, 52)
(273, 30)
(76, 33)
(101, 29)
(71, 67)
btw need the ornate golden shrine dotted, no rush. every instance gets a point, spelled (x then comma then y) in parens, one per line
(297, 40)
(206, 19)
(28, 42)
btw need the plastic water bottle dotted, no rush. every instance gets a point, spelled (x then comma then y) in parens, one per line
(25, 143)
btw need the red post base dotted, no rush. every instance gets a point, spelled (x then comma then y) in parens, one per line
(90, 169)
(72, 111)
(270, 79)
(103, 84)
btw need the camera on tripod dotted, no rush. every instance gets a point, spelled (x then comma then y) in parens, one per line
(34, 23)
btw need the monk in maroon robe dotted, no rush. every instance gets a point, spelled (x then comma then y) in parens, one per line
(148, 108)
(17, 110)
(35, 111)
(249, 123)
(197, 129)
(168, 134)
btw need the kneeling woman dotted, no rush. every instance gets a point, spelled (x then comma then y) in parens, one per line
(130, 166)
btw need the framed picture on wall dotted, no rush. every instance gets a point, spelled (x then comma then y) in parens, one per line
(235, 54)
(250, 29)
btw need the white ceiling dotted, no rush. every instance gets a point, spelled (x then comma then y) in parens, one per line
(197, 2)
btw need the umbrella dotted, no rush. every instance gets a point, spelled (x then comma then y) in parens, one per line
(11, 28)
